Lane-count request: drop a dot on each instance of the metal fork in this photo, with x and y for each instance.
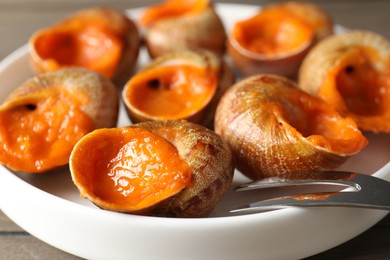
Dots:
(338, 189)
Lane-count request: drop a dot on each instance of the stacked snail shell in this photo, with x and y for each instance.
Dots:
(277, 38)
(176, 25)
(41, 120)
(351, 71)
(101, 39)
(178, 85)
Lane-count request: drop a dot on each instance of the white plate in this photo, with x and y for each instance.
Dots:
(49, 207)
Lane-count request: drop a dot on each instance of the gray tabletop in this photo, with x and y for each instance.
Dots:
(20, 18)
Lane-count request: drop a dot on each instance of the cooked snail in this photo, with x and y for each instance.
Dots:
(277, 38)
(41, 120)
(162, 168)
(101, 39)
(178, 85)
(351, 71)
(176, 25)
(272, 128)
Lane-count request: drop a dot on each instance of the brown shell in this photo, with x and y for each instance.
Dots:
(286, 64)
(198, 31)
(200, 58)
(253, 117)
(112, 21)
(209, 159)
(329, 54)
(103, 100)
(249, 63)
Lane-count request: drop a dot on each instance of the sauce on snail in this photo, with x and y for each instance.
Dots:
(171, 92)
(129, 168)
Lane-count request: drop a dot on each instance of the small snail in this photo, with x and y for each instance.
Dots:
(175, 25)
(277, 38)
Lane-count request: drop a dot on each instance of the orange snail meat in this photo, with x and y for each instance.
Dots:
(351, 71)
(178, 85)
(277, 38)
(41, 120)
(101, 39)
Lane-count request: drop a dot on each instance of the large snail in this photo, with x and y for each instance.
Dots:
(165, 168)
(272, 128)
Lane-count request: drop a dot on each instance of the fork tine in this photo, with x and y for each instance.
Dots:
(338, 200)
(257, 185)
(371, 192)
(336, 178)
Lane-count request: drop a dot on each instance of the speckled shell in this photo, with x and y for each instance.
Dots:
(199, 31)
(261, 141)
(209, 159)
(286, 64)
(327, 54)
(103, 100)
(200, 58)
(113, 21)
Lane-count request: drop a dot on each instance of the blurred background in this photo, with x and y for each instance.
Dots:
(20, 18)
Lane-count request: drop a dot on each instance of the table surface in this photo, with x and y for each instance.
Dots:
(20, 18)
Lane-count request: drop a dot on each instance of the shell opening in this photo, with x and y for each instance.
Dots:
(79, 45)
(359, 89)
(128, 169)
(171, 92)
(273, 32)
(38, 133)
(362, 87)
(322, 125)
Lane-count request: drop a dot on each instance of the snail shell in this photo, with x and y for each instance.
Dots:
(43, 118)
(192, 92)
(263, 44)
(196, 26)
(351, 71)
(207, 156)
(272, 128)
(101, 39)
